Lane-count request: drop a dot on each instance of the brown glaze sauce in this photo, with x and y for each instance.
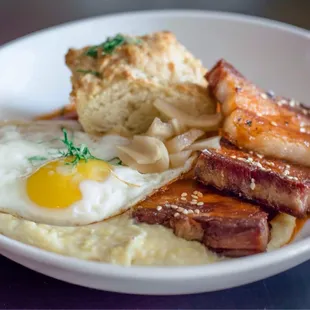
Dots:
(299, 225)
(172, 194)
(187, 186)
(66, 113)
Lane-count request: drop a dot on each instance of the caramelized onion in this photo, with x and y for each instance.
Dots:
(144, 149)
(179, 159)
(178, 126)
(213, 143)
(180, 142)
(160, 130)
(207, 122)
(145, 154)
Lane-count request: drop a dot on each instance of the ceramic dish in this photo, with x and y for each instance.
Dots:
(35, 80)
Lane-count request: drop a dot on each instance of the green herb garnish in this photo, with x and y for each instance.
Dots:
(95, 73)
(36, 158)
(110, 45)
(79, 153)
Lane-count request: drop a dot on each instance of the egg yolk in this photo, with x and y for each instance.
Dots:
(56, 184)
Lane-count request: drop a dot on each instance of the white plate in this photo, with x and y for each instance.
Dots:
(34, 79)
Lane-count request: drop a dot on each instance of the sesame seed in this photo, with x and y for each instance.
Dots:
(197, 211)
(200, 203)
(305, 111)
(259, 165)
(233, 156)
(183, 198)
(274, 123)
(302, 124)
(292, 178)
(263, 95)
(239, 194)
(199, 194)
(252, 185)
(194, 196)
(159, 208)
(190, 211)
(259, 155)
(281, 102)
(180, 209)
(286, 172)
(176, 214)
(302, 129)
(287, 166)
(174, 207)
(193, 202)
(185, 212)
(195, 192)
(251, 152)
(270, 163)
(184, 194)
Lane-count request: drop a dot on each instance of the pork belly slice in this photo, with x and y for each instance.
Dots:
(222, 223)
(282, 127)
(270, 182)
(246, 129)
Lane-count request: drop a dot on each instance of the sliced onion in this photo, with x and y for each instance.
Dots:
(180, 142)
(178, 126)
(207, 122)
(213, 143)
(125, 158)
(160, 130)
(136, 158)
(159, 166)
(179, 159)
(144, 149)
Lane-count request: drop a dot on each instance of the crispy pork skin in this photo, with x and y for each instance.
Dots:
(223, 224)
(271, 182)
(259, 121)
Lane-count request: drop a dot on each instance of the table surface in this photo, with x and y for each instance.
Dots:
(23, 288)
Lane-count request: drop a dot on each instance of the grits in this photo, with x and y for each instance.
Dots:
(120, 241)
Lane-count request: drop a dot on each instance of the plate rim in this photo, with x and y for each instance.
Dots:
(169, 12)
(219, 269)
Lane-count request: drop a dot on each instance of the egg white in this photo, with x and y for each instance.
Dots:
(100, 200)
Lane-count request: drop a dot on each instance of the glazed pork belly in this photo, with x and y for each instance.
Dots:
(222, 223)
(259, 121)
(277, 184)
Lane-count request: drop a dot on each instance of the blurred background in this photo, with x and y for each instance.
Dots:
(20, 17)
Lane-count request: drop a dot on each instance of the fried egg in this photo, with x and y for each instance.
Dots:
(39, 183)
